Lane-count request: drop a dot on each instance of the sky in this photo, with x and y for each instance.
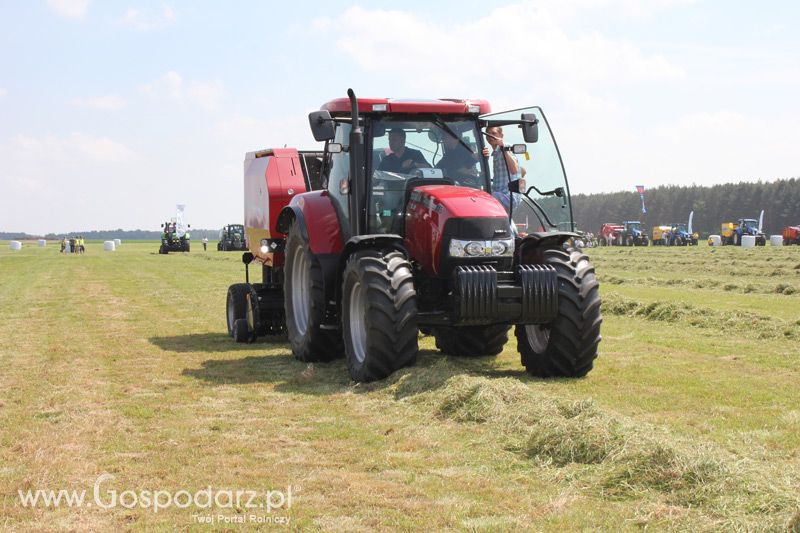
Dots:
(112, 112)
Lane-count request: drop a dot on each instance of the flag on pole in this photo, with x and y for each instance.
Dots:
(640, 190)
(180, 225)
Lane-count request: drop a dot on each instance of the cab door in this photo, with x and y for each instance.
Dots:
(540, 166)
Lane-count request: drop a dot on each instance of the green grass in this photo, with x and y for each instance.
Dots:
(119, 363)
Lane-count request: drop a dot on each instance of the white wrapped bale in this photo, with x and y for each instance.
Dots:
(117, 242)
(776, 240)
(716, 240)
(15, 245)
(748, 241)
(109, 246)
(42, 243)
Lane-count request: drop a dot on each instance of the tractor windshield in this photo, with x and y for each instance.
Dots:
(433, 146)
(750, 223)
(633, 226)
(681, 227)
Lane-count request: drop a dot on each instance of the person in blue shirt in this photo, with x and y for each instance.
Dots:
(505, 167)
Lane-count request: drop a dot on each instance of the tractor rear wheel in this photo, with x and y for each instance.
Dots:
(567, 347)
(473, 341)
(236, 304)
(379, 314)
(304, 302)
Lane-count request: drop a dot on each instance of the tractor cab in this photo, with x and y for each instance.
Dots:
(410, 146)
(749, 226)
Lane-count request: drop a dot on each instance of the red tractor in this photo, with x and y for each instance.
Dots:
(791, 235)
(408, 233)
(611, 234)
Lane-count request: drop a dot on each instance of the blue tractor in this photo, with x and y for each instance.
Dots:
(633, 235)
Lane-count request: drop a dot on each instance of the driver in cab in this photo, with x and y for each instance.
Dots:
(401, 159)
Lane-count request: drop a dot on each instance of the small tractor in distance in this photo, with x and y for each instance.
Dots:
(231, 237)
(675, 234)
(629, 233)
(732, 232)
(406, 236)
(791, 235)
(174, 240)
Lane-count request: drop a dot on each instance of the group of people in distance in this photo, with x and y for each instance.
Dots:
(460, 163)
(73, 245)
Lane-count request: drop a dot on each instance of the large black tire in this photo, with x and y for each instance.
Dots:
(379, 314)
(472, 341)
(236, 304)
(187, 247)
(304, 302)
(567, 347)
(736, 239)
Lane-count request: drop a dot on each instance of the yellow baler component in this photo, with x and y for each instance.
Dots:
(727, 229)
(658, 232)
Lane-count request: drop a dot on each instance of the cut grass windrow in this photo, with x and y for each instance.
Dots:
(744, 323)
(608, 454)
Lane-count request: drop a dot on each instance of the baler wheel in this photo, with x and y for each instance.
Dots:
(379, 314)
(236, 304)
(567, 347)
(472, 341)
(304, 302)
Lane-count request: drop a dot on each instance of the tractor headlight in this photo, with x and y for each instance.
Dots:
(494, 248)
(474, 248)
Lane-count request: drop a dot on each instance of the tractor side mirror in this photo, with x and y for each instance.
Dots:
(530, 127)
(335, 148)
(322, 125)
(519, 149)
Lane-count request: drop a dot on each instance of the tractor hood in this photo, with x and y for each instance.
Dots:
(438, 214)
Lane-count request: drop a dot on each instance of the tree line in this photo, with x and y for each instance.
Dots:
(712, 206)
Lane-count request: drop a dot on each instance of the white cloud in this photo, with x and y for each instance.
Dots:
(107, 102)
(536, 46)
(72, 9)
(76, 148)
(3, 92)
(142, 21)
(171, 86)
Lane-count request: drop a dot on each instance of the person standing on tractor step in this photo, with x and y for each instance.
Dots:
(505, 167)
(402, 159)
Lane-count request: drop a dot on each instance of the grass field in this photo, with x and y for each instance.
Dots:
(119, 363)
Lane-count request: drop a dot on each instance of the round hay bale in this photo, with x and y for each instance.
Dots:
(15, 245)
(748, 241)
(776, 240)
(109, 246)
(117, 242)
(716, 240)
(42, 243)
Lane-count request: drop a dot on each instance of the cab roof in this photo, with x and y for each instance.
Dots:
(443, 106)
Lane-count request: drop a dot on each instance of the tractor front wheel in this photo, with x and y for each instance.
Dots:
(379, 314)
(473, 341)
(567, 347)
(304, 303)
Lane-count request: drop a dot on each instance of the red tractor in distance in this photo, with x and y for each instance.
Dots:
(404, 234)
(791, 235)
